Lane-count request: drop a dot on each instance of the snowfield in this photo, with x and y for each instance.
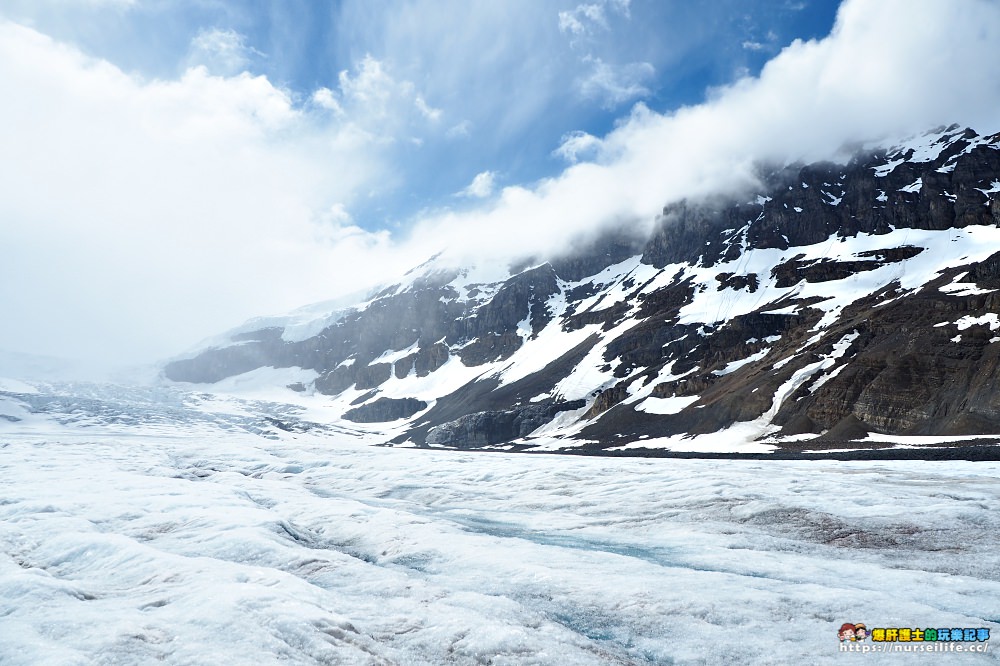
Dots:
(195, 541)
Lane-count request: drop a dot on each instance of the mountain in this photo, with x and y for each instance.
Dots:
(842, 305)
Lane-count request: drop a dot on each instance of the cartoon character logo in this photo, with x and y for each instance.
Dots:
(846, 632)
(860, 631)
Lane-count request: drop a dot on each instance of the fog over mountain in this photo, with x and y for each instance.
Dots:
(142, 214)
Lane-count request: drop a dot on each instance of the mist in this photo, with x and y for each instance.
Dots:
(142, 216)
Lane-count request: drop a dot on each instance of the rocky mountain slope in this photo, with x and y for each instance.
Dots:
(844, 302)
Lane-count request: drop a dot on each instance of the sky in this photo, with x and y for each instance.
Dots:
(172, 168)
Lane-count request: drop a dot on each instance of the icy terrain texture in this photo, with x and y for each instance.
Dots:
(181, 536)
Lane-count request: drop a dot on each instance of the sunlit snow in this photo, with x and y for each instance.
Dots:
(187, 543)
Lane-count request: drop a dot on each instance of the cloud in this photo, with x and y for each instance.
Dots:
(222, 51)
(459, 130)
(426, 110)
(384, 105)
(884, 71)
(587, 18)
(481, 186)
(613, 85)
(577, 145)
(144, 214)
(770, 43)
(327, 99)
(140, 215)
(610, 84)
(496, 65)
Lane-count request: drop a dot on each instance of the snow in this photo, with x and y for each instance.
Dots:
(15, 386)
(834, 199)
(839, 349)
(974, 243)
(957, 288)
(265, 383)
(220, 547)
(926, 147)
(625, 283)
(736, 365)
(550, 343)
(666, 405)
(886, 169)
(994, 187)
(989, 319)
(738, 438)
(914, 186)
(588, 376)
(448, 378)
(391, 356)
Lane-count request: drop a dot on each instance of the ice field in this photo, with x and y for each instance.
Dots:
(181, 540)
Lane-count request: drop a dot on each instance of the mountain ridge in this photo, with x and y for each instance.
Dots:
(844, 302)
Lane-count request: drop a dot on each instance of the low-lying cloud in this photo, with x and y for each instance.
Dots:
(886, 70)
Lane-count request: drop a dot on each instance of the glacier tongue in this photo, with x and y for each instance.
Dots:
(200, 544)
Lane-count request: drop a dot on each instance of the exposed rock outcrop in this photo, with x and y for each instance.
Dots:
(495, 427)
(385, 409)
(840, 300)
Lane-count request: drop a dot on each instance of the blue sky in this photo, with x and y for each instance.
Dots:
(172, 168)
(503, 82)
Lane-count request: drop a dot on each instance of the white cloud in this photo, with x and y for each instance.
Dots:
(770, 43)
(587, 18)
(428, 112)
(885, 70)
(614, 85)
(498, 65)
(481, 186)
(338, 216)
(383, 105)
(610, 84)
(223, 52)
(579, 21)
(326, 98)
(459, 130)
(577, 145)
(140, 215)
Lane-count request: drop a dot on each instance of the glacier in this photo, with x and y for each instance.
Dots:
(150, 525)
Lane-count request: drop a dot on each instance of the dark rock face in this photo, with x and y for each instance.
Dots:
(385, 409)
(732, 281)
(691, 312)
(908, 375)
(685, 226)
(495, 427)
(427, 314)
(986, 273)
(423, 362)
(794, 270)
